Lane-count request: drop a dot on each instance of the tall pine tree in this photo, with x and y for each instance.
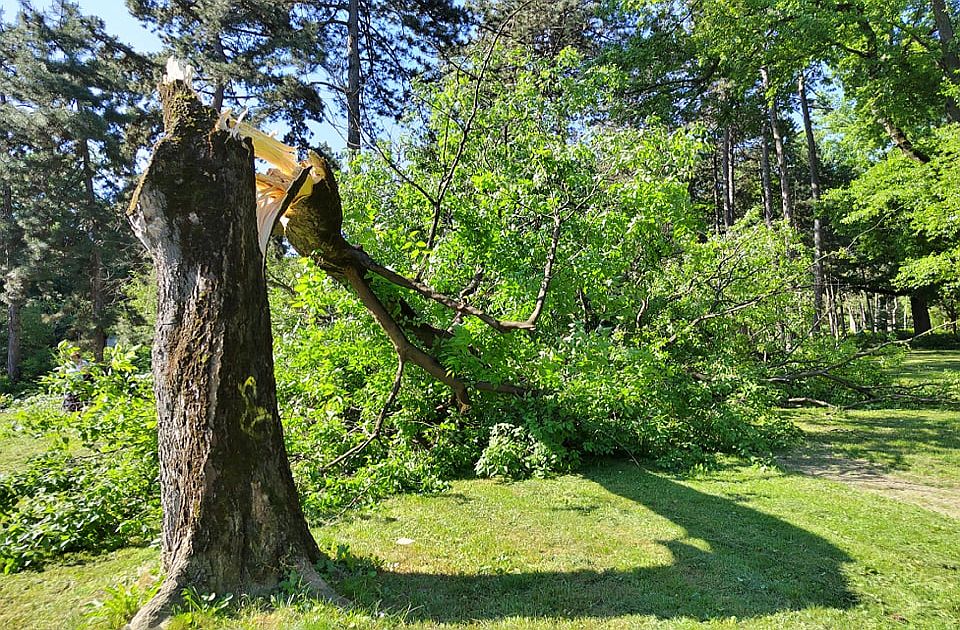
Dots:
(70, 103)
(280, 58)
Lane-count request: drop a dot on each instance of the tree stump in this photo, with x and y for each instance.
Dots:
(232, 521)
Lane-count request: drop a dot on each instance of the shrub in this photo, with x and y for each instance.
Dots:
(96, 489)
(514, 453)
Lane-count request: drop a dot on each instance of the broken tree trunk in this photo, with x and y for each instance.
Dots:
(232, 521)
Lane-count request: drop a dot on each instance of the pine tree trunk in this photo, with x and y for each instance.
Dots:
(786, 197)
(219, 86)
(99, 335)
(353, 75)
(921, 314)
(11, 293)
(765, 180)
(232, 521)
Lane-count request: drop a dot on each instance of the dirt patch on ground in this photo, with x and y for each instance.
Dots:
(866, 475)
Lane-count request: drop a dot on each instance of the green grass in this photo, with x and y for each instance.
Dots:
(922, 444)
(16, 446)
(56, 597)
(621, 547)
(930, 365)
(617, 547)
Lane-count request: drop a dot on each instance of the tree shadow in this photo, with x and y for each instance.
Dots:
(886, 438)
(734, 561)
(927, 365)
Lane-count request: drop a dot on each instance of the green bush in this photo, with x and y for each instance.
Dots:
(96, 489)
(513, 453)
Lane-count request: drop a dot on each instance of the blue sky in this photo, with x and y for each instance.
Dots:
(113, 13)
(121, 24)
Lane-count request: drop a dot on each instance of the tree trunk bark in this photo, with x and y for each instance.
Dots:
(786, 197)
(232, 521)
(921, 314)
(950, 60)
(219, 86)
(717, 194)
(353, 76)
(728, 178)
(765, 180)
(814, 166)
(14, 329)
(813, 160)
(12, 290)
(902, 142)
(99, 337)
(865, 312)
(879, 314)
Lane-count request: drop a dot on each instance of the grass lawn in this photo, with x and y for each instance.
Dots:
(923, 445)
(617, 546)
(16, 447)
(930, 365)
(918, 444)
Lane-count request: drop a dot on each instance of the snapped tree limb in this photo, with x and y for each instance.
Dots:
(301, 201)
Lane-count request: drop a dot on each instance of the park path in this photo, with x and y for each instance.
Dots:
(860, 473)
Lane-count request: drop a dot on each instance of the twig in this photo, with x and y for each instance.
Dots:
(398, 379)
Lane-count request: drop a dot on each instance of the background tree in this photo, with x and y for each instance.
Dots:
(70, 108)
(280, 59)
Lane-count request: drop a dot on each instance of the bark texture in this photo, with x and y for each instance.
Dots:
(728, 178)
(11, 293)
(232, 521)
(14, 330)
(950, 59)
(765, 180)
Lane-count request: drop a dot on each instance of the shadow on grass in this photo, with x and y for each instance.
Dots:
(887, 438)
(756, 565)
(930, 365)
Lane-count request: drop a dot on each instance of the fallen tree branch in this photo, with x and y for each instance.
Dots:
(811, 401)
(406, 350)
